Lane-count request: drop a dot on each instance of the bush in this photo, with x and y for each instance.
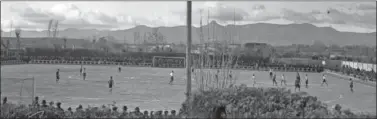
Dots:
(250, 102)
(236, 102)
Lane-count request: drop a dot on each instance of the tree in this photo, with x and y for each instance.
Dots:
(136, 37)
(57, 47)
(65, 42)
(5, 46)
(49, 28)
(18, 35)
(2, 43)
(94, 40)
(8, 43)
(103, 43)
(156, 37)
(56, 25)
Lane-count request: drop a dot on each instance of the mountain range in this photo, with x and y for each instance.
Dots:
(261, 32)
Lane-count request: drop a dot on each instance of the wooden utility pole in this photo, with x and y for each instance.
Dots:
(188, 56)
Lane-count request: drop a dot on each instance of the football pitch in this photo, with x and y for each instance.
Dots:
(148, 88)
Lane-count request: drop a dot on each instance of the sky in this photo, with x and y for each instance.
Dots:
(114, 15)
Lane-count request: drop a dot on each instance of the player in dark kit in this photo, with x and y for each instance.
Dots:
(297, 82)
(351, 85)
(306, 80)
(84, 74)
(80, 70)
(274, 80)
(57, 76)
(271, 74)
(230, 74)
(119, 69)
(111, 83)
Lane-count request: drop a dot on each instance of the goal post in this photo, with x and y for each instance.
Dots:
(19, 90)
(33, 86)
(161, 61)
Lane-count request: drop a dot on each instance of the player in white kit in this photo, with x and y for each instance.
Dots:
(81, 70)
(324, 80)
(306, 80)
(283, 80)
(171, 77)
(253, 78)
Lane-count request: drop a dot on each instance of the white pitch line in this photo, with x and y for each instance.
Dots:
(329, 101)
(343, 77)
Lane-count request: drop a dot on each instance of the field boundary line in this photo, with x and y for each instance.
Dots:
(357, 80)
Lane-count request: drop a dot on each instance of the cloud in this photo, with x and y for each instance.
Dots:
(299, 17)
(226, 13)
(366, 7)
(363, 19)
(35, 15)
(366, 19)
(216, 11)
(17, 24)
(259, 13)
(71, 16)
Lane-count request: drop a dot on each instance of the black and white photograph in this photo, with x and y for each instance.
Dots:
(188, 59)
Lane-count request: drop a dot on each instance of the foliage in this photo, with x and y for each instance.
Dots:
(239, 101)
(251, 102)
(50, 111)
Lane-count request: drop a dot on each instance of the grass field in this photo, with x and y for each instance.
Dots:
(148, 88)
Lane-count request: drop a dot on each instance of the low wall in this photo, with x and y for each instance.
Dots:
(333, 64)
(87, 63)
(299, 61)
(329, 64)
(345, 77)
(362, 66)
(282, 69)
(12, 62)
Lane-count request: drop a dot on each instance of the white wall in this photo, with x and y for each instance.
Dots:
(355, 65)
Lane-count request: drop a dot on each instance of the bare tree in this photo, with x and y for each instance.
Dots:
(94, 40)
(55, 28)
(3, 44)
(136, 37)
(157, 37)
(18, 35)
(65, 42)
(103, 42)
(223, 58)
(8, 44)
(49, 27)
(1, 30)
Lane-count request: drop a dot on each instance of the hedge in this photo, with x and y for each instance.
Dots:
(235, 102)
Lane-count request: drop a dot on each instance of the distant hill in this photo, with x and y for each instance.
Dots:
(264, 33)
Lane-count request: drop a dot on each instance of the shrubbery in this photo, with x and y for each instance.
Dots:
(235, 102)
(250, 102)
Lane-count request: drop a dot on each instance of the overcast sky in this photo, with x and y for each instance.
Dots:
(343, 16)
